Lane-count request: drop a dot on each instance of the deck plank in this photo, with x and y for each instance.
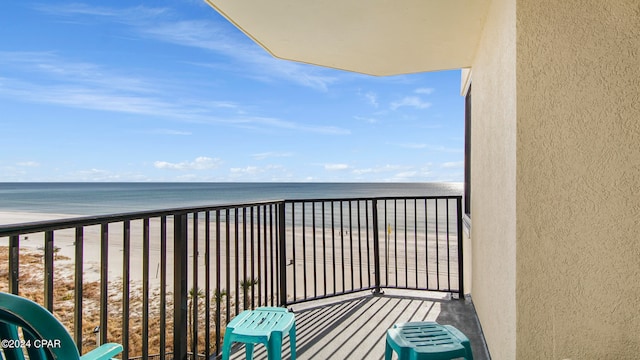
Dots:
(354, 327)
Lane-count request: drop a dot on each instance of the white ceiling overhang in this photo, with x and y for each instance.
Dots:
(377, 37)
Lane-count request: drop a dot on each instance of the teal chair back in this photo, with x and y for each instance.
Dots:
(43, 336)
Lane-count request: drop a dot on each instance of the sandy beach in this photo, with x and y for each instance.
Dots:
(335, 258)
(32, 280)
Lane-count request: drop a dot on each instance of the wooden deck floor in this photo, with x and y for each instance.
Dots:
(355, 327)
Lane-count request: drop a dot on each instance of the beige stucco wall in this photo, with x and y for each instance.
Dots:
(493, 171)
(578, 179)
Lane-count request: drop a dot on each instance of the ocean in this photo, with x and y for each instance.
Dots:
(109, 198)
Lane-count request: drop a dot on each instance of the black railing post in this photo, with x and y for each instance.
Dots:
(283, 253)
(104, 281)
(126, 286)
(48, 270)
(14, 263)
(77, 313)
(180, 286)
(376, 246)
(145, 286)
(163, 286)
(460, 249)
(194, 287)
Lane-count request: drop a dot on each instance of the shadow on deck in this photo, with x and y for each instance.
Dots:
(355, 327)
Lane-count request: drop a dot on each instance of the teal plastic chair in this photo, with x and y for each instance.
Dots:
(43, 336)
(264, 325)
(427, 340)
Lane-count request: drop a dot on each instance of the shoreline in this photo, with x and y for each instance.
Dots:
(14, 217)
(350, 259)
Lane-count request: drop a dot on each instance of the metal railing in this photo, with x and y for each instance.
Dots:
(168, 281)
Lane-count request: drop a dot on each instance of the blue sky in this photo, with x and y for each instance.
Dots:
(170, 91)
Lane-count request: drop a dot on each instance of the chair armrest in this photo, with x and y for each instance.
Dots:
(103, 352)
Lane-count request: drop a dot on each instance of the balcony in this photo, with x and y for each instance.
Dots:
(350, 268)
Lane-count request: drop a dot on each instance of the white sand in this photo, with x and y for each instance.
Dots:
(65, 240)
(15, 217)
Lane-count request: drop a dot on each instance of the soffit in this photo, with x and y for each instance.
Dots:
(377, 37)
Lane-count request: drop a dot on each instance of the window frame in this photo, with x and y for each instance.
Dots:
(467, 158)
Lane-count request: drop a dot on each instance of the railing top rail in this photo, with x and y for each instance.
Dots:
(72, 222)
(419, 197)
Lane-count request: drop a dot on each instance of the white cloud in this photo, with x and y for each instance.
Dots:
(88, 86)
(413, 145)
(336, 167)
(372, 98)
(225, 104)
(414, 101)
(425, 91)
(97, 175)
(366, 119)
(453, 164)
(54, 69)
(251, 170)
(284, 124)
(417, 173)
(171, 132)
(265, 67)
(216, 36)
(200, 163)
(270, 154)
(395, 173)
(378, 169)
(405, 175)
(76, 9)
(445, 149)
(410, 101)
(266, 173)
(28, 164)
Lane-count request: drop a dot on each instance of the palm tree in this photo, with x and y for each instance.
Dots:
(56, 250)
(246, 285)
(218, 295)
(194, 294)
(217, 299)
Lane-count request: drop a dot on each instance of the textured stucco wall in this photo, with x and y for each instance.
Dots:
(493, 162)
(578, 179)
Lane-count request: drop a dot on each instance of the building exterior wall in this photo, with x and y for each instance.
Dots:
(493, 175)
(578, 179)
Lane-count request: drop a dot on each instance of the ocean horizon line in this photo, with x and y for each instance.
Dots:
(100, 198)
